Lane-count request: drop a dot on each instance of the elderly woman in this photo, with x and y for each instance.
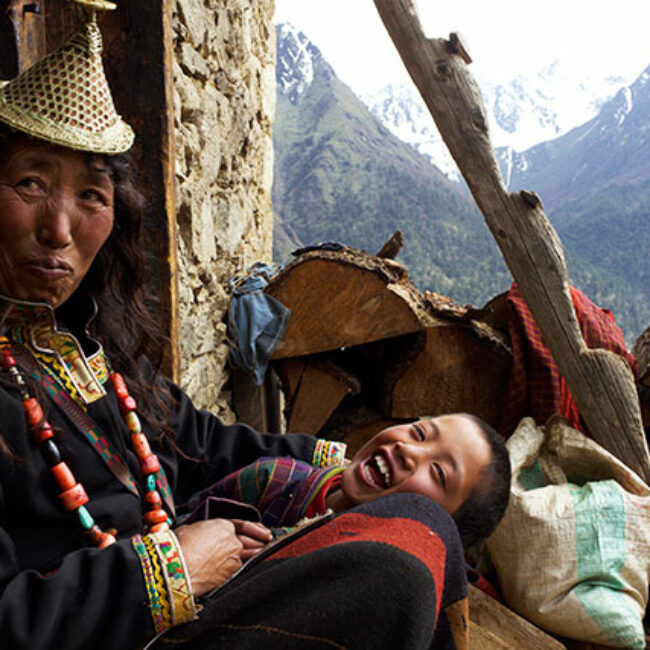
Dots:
(97, 449)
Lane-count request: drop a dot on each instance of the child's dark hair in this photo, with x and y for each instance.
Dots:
(480, 513)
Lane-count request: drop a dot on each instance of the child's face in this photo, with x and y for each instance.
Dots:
(440, 458)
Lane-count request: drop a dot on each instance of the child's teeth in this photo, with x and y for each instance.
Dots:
(383, 468)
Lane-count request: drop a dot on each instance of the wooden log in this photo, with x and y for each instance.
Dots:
(356, 436)
(490, 620)
(344, 298)
(601, 382)
(319, 390)
(462, 367)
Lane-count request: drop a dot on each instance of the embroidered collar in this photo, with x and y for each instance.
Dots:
(34, 325)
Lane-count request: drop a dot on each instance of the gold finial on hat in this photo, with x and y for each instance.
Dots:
(99, 5)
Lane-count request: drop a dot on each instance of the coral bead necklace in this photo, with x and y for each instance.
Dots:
(72, 494)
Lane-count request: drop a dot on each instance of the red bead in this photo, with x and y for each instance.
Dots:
(140, 445)
(153, 499)
(74, 497)
(157, 516)
(157, 528)
(64, 477)
(127, 404)
(8, 360)
(107, 540)
(149, 465)
(95, 534)
(119, 386)
(33, 411)
(41, 434)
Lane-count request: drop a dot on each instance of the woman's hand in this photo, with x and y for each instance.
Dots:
(254, 537)
(212, 551)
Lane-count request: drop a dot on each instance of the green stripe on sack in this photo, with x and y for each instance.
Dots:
(600, 522)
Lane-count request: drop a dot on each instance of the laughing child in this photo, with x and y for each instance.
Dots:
(457, 460)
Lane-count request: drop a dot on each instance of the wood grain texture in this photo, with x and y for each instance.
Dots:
(601, 382)
(342, 300)
(510, 629)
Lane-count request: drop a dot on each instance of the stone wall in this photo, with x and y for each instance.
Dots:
(224, 100)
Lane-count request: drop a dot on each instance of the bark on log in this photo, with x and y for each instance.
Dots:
(601, 382)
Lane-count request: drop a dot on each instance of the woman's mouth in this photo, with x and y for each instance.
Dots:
(48, 268)
(376, 472)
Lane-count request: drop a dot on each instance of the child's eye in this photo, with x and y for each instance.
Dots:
(441, 474)
(419, 431)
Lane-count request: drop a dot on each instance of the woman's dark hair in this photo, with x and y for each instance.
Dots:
(124, 323)
(480, 513)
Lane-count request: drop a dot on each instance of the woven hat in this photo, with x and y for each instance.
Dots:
(64, 98)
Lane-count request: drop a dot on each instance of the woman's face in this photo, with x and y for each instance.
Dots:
(56, 212)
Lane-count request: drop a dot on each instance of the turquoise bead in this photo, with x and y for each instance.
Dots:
(85, 518)
(151, 482)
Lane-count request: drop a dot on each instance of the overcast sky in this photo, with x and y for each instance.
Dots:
(595, 36)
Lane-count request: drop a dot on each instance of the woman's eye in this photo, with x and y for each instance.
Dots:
(93, 195)
(441, 474)
(419, 431)
(30, 184)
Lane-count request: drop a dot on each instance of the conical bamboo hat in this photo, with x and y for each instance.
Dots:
(64, 98)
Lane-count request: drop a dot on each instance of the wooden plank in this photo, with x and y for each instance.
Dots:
(600, 381)
(138, 62)
(22, 35)
(509, 628)
(321, 390)
(344, 299)
(457, 370)
(482, 639)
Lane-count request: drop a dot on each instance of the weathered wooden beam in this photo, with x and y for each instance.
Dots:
(601, 382)
(489, 617)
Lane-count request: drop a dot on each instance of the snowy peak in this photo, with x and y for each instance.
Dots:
(296, 57)
(404, 114)
(521, 113)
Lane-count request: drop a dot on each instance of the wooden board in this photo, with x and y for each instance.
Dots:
(320, 390)
(456, 370)
(490, 620)
(343, 299)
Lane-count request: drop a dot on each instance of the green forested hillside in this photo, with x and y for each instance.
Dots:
(341, 176)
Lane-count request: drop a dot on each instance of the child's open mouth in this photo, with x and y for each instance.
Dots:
(376, 472)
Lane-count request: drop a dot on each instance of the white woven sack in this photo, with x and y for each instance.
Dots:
(574, 556)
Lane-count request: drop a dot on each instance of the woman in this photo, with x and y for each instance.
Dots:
(98, 449)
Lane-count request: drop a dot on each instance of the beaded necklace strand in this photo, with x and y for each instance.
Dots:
(72, 495)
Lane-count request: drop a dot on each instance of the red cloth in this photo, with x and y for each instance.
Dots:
(535, 387)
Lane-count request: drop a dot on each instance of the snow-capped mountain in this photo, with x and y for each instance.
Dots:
(296, 55)
(522, 112)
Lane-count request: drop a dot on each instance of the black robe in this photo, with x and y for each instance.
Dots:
(57, 591)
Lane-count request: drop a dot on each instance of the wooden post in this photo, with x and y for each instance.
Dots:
(600, 381)
(22, 35)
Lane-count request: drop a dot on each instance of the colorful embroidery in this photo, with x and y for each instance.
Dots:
(79, 418)
(328, 452)
(160, 624)
(160, 581)
(176, 577)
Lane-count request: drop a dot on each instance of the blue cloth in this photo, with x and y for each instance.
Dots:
(256, 321)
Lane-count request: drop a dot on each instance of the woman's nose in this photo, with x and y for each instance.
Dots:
(55, 225)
